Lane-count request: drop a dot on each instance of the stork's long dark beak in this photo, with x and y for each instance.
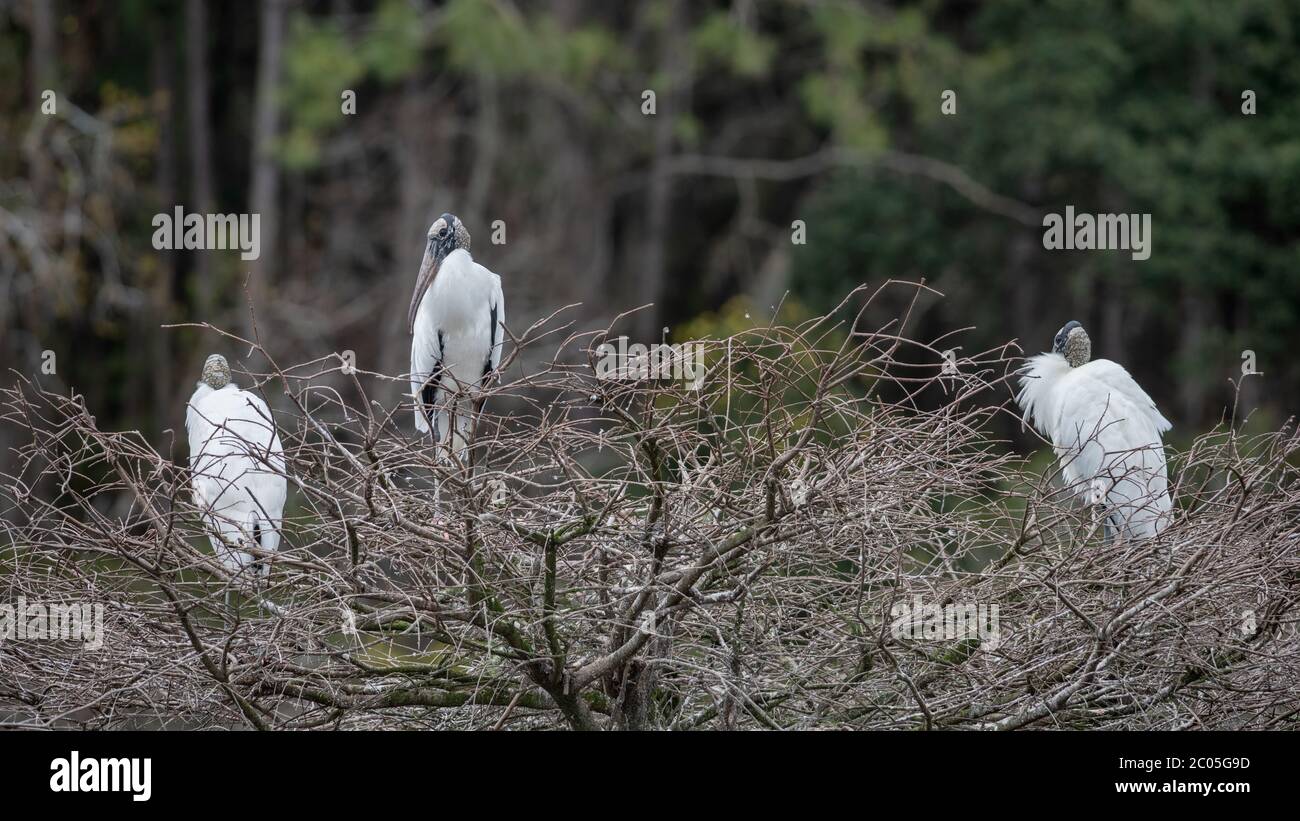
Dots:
(428, 270)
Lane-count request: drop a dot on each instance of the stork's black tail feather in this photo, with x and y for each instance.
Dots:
(259, 565)
(427, 398)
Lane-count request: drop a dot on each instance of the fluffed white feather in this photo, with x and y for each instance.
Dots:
(1106, 432)
(459, 303)
(238, 471)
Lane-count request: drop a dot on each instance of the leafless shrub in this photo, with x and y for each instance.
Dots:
(639, 554)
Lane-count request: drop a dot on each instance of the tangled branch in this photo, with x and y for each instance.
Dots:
(767, 546)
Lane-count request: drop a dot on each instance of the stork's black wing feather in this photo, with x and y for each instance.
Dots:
(429, 393)
(492, 340)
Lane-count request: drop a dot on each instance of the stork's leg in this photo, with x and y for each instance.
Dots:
(258, 565)
(429, 400)
(479, 402)
(464, 435)
(430, 393)
(1111, 528)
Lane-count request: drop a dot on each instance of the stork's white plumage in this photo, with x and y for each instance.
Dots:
(457, 322)
(1105, 430)
(237, 464)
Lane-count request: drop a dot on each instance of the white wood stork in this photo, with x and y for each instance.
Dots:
(1105, 430)
(457, 321)
(237, 464)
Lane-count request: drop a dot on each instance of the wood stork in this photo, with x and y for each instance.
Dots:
(237, 464)
(457, 321)
(1105, 430)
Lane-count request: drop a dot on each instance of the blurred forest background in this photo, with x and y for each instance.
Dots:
(766, 113)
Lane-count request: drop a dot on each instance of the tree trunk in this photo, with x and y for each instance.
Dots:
(1248, 397)
(421, 141)
(669, 103)
(202, 198)
(266, 174)
(42, 76)
(1195, 313)
(158, 378)
(42, 14)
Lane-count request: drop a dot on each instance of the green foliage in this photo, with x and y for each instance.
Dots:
(719, 40)
(872, 54)
(490, 38)
(855, 238)
(1108, 108)
(396, 38)
(756, 335)
(322, 61)
(319, 64)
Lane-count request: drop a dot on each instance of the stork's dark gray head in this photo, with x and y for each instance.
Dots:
(1072, 341)
(216, 372)
(447, 234)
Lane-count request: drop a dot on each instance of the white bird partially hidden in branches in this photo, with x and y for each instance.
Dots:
(237, 464)
(457, 321)
(1105, 430)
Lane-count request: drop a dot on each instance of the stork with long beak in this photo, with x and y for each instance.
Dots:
(457, 322)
